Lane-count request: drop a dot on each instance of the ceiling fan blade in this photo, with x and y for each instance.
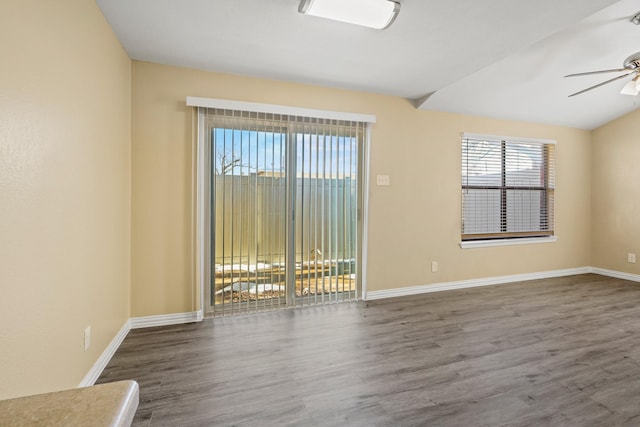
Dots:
(602, 84)
(588, 73)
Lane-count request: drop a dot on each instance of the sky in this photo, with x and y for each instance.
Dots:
(243, 152)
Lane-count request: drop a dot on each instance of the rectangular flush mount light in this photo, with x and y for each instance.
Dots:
(378, 14)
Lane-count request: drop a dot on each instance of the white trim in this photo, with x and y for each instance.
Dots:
(102, 362)
(365, 213)
(197, 316)
(508, 138)
(166, 319)
(194, 101)
(134, 323)
(201, 213)
(507, 242)
(616, 274)
(472, 283)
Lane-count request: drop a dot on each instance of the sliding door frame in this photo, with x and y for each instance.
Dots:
(203, 196)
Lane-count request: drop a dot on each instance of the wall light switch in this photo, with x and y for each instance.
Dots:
(383, 180)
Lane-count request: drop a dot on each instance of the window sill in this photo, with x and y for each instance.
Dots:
(507, 242)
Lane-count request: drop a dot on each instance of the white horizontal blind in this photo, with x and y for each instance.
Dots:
(507, 187)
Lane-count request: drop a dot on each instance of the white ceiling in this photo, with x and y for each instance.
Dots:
(497, 58)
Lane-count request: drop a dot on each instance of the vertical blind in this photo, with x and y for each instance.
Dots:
(248, 215)
(285, 197)
(507, 187)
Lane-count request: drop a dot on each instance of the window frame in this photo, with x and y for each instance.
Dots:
(504, 237)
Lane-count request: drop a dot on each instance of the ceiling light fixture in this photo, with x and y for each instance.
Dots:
(378, 14)
(636, 18)
(633, 87)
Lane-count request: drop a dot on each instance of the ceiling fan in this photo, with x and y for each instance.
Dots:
(630, 66)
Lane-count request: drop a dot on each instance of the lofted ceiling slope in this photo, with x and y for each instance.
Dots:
(498, 58)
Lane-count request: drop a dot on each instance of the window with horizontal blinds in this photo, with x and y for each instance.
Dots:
(507, 187)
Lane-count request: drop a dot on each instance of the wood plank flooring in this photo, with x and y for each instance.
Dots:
(555, 352)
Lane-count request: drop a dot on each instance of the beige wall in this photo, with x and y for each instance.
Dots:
(414, 221)
(616, 194)
(96, 195)
(65, 91)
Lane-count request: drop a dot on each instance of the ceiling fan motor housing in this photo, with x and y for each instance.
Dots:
(632, 62)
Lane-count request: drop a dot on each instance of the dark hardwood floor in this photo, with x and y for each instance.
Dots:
(556, 352)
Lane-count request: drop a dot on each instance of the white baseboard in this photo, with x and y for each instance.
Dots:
(135, 323)
(97, 368)
(197, 316)
(472, 283)
(616, 274)
(166, 319)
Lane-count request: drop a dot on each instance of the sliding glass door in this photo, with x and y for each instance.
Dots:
(248, 196)
(326, 215)
(285, 193)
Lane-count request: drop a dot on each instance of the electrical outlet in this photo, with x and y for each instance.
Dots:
(87, 338)
(434, 266)
(631, 258)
